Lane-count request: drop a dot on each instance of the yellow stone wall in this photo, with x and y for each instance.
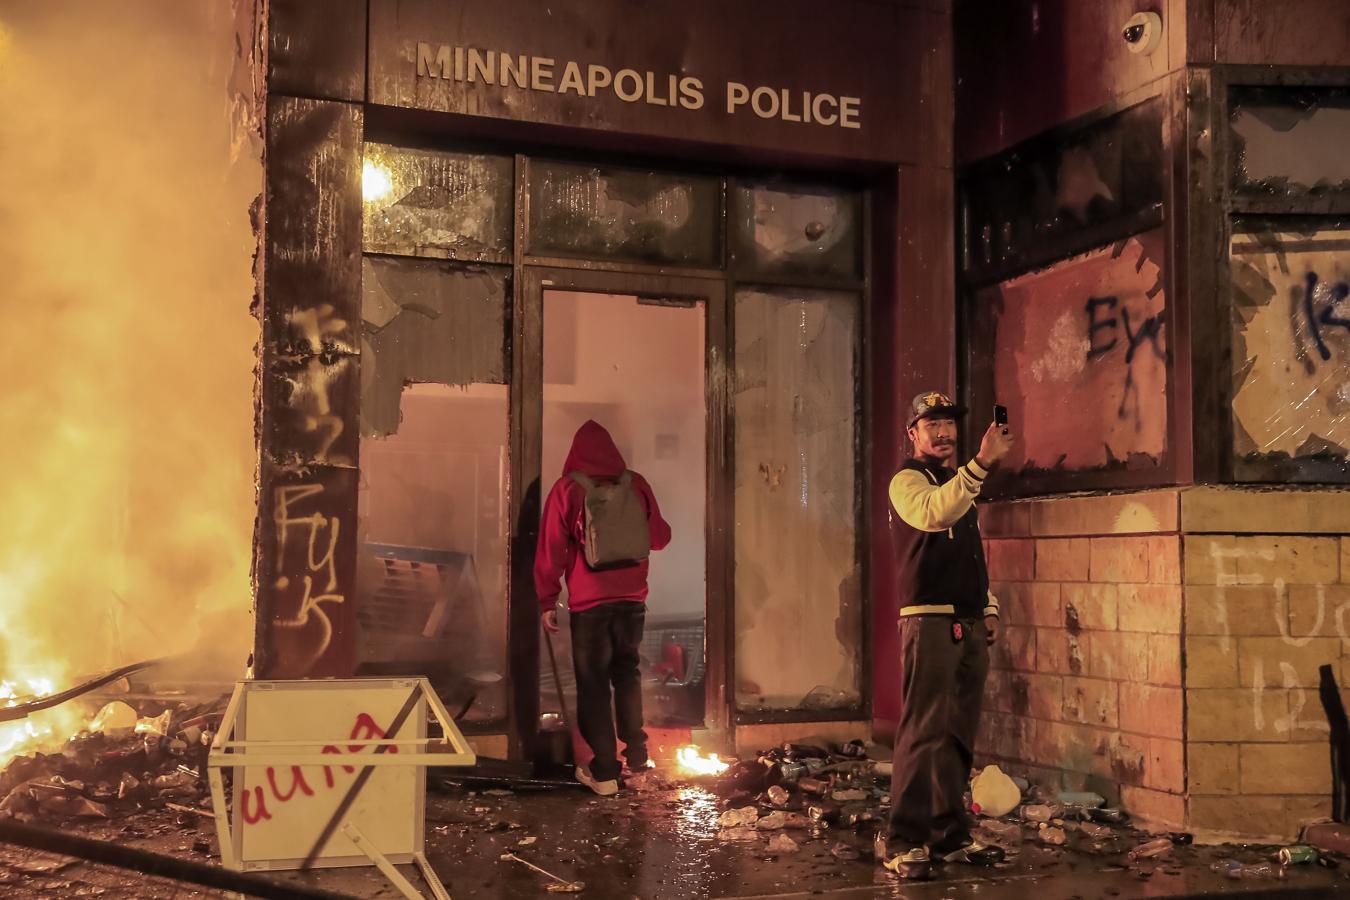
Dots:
(1163, 648)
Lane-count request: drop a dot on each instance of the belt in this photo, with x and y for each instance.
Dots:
(931, 609)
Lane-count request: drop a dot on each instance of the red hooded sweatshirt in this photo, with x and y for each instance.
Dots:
(560, 535)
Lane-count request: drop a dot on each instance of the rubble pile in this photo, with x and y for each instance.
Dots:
(811, 789)
(125, 762)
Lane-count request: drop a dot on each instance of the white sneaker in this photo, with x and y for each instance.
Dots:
(603, 788)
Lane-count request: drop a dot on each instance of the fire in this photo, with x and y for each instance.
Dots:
(127, 465)
(694, 763)
(44, 731)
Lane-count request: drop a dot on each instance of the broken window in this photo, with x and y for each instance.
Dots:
(431, 203)
(433, 518)
(636, 367)
(797, 231)
(1078, 354)
(798, 586)
(1290, 141)
(1021, 208)
(1291, 350)
(624, 214)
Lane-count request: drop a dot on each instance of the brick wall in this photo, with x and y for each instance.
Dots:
(1162, 648)
(1085, 687)
(1263, 612)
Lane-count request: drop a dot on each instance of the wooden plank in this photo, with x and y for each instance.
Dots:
(317, 49)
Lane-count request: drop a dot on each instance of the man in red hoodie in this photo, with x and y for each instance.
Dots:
(607, 608)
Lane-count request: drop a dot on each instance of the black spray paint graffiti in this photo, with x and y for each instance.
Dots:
(1327, 316)
(1100, 327)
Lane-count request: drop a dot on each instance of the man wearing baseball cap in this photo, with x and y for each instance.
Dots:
(948, 619)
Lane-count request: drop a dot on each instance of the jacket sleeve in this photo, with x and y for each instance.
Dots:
(929, 507)
(991, 605)
(556, 548)
(659, 527)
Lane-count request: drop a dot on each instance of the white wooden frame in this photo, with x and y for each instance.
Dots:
(227, 753)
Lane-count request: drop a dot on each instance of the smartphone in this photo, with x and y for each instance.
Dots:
(1000, 414)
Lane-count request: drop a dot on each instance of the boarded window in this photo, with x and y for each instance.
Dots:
(1291, 141)
(427, 322)
(1291, 351)
(624, 214)
(1079, 356)
(429, 203)
(798, 599)
(797, 231)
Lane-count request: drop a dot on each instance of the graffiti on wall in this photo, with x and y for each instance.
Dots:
(1291, 343)
(1080, 358)
(1280, 671)
(306, 547)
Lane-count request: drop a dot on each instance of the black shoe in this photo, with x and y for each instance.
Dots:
(974, 853)
(913, 864)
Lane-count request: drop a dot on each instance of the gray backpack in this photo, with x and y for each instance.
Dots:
(614, 522)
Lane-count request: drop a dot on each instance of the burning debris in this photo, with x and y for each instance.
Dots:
(122, 762)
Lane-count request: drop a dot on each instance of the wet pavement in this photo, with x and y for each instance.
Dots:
(668, 844)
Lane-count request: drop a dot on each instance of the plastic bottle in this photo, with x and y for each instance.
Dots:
(1151, 849)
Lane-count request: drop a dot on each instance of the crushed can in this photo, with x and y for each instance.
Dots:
(824, 813)
(1297, 855)
(792, 771)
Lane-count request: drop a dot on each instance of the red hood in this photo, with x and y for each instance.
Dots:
(593, 453)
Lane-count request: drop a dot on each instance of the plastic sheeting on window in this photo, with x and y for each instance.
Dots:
(798, 231)
(1291, 141)
(430, 203)
(1291, 351)
(624, 214)
(426, 321)
(798, 597)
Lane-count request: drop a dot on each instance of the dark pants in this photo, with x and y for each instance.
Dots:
(605, 641)
(941, 686)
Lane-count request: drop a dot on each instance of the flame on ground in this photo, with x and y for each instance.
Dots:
(692, 762)
(44, 731)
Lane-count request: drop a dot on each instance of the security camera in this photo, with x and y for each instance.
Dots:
(1143, 32)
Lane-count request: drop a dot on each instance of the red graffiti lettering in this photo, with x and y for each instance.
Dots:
(254, 803)
(298, 783)
(253, 816)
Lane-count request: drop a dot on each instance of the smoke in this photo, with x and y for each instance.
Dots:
(127, 168)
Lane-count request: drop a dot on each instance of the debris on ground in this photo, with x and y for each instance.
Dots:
(127, 761)
(994, 793)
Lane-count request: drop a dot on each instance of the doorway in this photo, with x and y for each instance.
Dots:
(636, 366)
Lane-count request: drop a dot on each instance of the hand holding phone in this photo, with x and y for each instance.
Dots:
(1001, 417)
